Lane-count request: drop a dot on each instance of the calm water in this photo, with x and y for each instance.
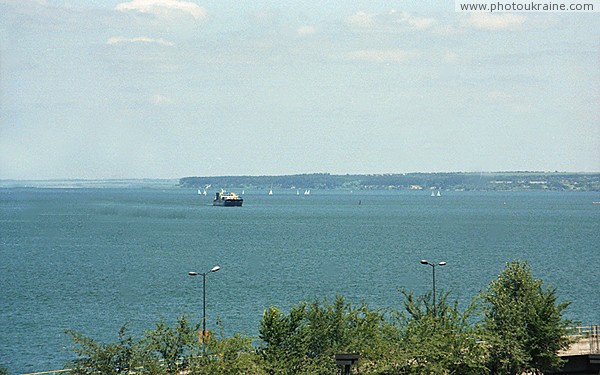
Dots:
(92, 259)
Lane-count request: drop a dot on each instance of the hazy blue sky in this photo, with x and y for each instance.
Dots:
(172, 88)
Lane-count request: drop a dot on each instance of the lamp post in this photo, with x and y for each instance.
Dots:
(214, 269)
(433, 272)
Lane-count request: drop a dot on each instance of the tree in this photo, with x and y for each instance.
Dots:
(176, 346)
(165, 350)
(110, 359)
(285, 340)
(523, 322)
(305, 340)
(447, 343)
(227, 356)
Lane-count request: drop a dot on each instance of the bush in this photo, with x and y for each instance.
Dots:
(513, 327)
(523, 323)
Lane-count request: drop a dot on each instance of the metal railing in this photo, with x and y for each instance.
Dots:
(585, 331)
(586, 340)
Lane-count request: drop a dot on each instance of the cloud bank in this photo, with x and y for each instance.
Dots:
(504, 21)
(123, 40)
(389, 21)
(164, 8)
(384, 56)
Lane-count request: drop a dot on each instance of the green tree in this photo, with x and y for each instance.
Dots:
(523, 322)
(112, 358)
(166, 350)
(447, 343)
(175, 346)
(227, 356)
(306, 340)
(284, 340)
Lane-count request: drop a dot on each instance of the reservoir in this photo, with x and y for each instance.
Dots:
(94, 259)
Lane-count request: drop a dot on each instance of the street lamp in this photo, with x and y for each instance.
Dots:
(214, 269)
(433, 269)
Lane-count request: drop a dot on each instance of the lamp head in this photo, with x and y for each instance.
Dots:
(441, 263)
(215, 269)
(193, 273)
(424, 262)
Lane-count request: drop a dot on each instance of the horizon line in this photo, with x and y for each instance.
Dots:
(291, 174)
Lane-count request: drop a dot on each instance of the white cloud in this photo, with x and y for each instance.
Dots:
(164, 8)
(161, 100)
(361, 19)
(390, 21)
(122, 40)
(444, 30)
(486, 21)
(413, 21)
(384, 56)
(306, 30)
(450, 57)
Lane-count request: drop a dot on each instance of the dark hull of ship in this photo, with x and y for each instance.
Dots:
(229, 203)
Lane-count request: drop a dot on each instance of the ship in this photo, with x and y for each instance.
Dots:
(227, 199)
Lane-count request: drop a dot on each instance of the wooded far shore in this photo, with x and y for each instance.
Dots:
(459, 181)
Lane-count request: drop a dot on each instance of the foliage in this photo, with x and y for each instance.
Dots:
(166, 350)
(306, 340)
(443, 344)
(174, 346)
(108, 359)
(446, 181)
(3, 371)
(523, 322)
(513, 327)
(227, 356)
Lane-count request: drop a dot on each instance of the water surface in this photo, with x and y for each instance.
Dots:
(93, 259)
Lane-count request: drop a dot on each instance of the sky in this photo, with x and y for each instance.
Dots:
(105, 89)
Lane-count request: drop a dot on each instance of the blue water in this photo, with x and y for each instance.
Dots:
(93, 259)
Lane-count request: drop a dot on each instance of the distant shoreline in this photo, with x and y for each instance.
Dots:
(92, 183)
(457, 181)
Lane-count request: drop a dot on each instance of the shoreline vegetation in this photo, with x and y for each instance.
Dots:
(515, 326)
(456, 181)
(447, 181)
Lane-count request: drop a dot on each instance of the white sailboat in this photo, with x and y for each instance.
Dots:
(199, 192)
(433, 193)
(307, 192)
(438, 194)
(204, 192)
(297, 192)
(271, 190)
